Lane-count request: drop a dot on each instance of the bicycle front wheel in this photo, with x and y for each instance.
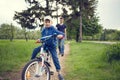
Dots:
(32, 68)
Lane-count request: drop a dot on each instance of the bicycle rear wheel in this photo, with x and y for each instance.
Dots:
(32, 67)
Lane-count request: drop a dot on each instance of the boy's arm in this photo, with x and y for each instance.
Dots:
(59, 34)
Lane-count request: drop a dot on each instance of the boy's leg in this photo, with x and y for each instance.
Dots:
(55, 58)
(56, 62)
(35, 52)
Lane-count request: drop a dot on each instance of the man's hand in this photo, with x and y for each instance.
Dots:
(59, 36)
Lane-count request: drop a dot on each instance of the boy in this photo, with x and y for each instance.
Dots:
(50, 44)
(61, 27)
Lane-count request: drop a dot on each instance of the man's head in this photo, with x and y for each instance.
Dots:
(61, 20)
(47, 21)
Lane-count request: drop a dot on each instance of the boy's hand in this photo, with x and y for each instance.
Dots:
(59, 36)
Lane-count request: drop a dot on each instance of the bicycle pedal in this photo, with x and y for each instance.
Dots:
(37, 75)
(51, 73)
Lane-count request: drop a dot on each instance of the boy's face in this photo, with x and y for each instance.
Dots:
(47, 23)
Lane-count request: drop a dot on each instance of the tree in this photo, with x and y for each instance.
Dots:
(117, 37)
(85, 10)
(110, 34)
(7, 31)
(12, 32)
(35, 13)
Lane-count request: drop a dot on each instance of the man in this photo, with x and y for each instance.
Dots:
(50, 44)
(61, 27)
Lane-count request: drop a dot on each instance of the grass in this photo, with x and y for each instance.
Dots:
(86, 62)
(15, 54)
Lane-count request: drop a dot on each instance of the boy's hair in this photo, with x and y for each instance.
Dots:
(47, 20)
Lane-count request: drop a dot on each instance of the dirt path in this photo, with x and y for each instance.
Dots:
(62, 63)
(103, 42)
(16, 75)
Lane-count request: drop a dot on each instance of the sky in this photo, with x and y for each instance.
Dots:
(107, 10)
(109, 13)
(8, 8)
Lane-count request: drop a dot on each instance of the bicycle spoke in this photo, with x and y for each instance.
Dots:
(32, 70)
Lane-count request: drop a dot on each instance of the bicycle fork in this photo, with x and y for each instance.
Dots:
(40, 65)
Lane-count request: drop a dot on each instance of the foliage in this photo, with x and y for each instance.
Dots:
(90, 27)
(113, 52)
(12, 32)
(85, 8)
(7, 31)
(72, 28)
(117, 36)
(34, 15)
(110, 34)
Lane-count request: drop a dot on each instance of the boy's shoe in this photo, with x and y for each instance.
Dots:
(60, 77)
(62, 54)
(51, 73)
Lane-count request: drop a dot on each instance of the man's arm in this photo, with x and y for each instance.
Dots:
(57, 26)
(65, 34)
(59, 33)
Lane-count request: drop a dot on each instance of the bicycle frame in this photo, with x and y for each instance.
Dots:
(39, 68)
(43, 56)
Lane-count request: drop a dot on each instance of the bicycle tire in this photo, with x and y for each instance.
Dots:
(31, 63)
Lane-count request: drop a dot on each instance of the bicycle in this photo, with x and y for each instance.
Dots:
(39, 68)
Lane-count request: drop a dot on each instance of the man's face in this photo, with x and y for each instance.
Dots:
(61, 20)
(47, 24)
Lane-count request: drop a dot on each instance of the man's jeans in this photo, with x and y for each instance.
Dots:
(61, 46)
(53, 53)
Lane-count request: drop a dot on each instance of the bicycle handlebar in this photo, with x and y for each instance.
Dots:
(43, 39)
(48, 37)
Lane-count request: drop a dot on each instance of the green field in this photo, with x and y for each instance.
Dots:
(86, 62)
(14, 54)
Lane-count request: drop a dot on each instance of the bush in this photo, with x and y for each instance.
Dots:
(113, 52)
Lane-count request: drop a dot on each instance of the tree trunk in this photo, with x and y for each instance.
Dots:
(12, 34)
(57, 11)
(77, 34)
(80, 29)
(26, 37)
(47, 7)
(25, 34)
(80, 38)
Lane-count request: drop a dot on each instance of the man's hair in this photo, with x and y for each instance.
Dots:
(47, 20)
(61, 18)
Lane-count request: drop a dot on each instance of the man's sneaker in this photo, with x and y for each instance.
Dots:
(60, 77)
